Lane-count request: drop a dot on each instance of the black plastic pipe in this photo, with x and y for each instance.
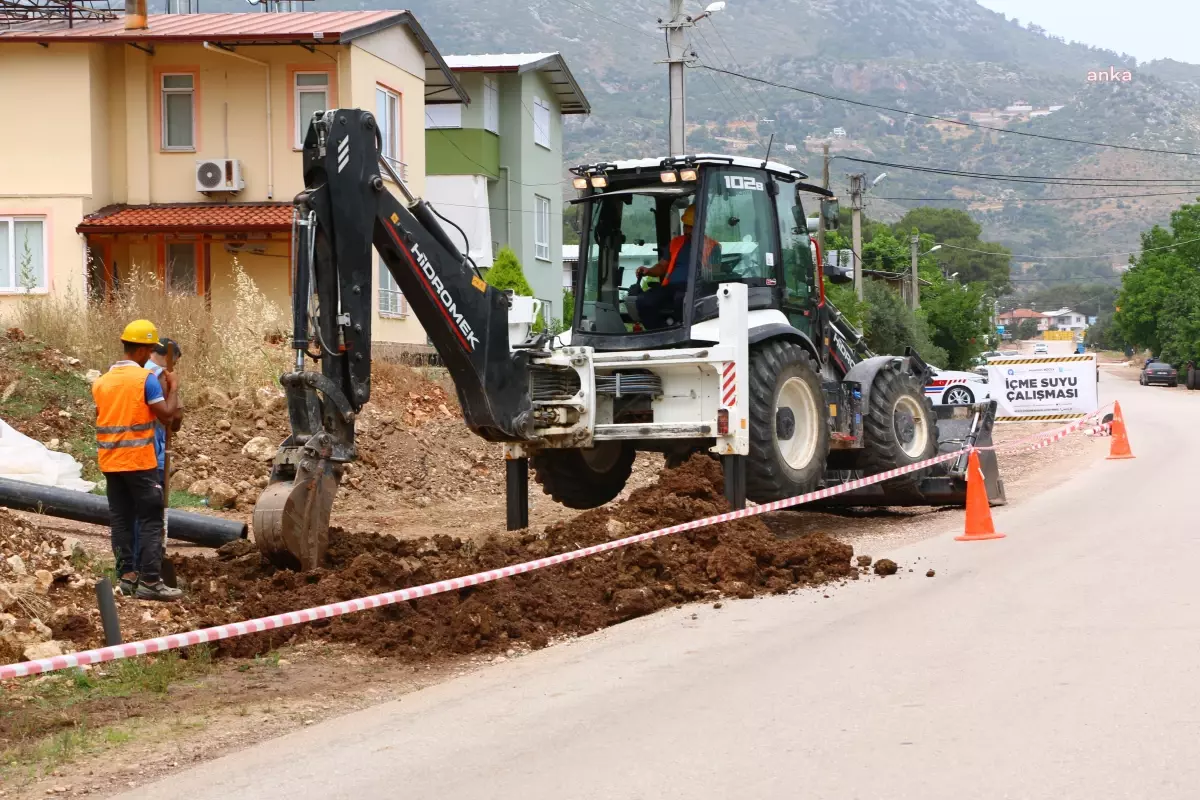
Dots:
(198, 529)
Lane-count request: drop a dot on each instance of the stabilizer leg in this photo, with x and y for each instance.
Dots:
(735, 480)
(516, 490)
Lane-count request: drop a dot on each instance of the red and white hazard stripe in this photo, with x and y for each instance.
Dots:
(729, 385)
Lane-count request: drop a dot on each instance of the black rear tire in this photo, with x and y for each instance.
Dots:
(584, 479)
(789, 433)
(900, 428)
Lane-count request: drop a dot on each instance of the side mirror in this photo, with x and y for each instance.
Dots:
(830, 212)
(839, 275)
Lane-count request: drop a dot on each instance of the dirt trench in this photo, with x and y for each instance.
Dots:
(741, 558)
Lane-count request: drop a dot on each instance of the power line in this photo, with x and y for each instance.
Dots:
(863, 104)
(618, 23)
(1053, 180)
(1062, 258)
(1036, 199)
(721, 85)
(762, 99)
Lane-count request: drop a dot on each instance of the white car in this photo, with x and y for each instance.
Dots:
(1041, 349)
(950, 387)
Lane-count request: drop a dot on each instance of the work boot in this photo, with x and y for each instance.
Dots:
(128, 584)
(157, 591)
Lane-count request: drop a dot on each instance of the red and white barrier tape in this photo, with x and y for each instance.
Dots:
(102, 654)
(177, 640)
(1043, 439)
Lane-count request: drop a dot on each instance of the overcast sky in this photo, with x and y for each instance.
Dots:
(1147, 29)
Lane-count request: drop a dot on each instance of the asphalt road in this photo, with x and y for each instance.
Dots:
(1060, 662)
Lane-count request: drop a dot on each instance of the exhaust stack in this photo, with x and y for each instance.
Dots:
(135, 15)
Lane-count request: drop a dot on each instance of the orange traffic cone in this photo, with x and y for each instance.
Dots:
(1120, 442)
(979, 512)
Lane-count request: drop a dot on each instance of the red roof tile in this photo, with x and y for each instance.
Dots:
(333, 26)
(195, 218)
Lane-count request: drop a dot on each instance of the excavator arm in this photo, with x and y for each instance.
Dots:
(346, 211)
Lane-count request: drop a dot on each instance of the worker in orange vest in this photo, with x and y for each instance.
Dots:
(665, 301)
(129, 400)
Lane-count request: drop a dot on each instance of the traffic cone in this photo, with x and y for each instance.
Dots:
(979, 512)
(1120, 442)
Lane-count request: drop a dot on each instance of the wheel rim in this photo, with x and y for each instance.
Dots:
(796, 401)
(602, 457)
(958, 396)
(911, 426)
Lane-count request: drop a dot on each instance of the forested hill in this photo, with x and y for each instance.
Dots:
(950, 58)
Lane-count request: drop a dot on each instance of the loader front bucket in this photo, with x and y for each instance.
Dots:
(958, 427)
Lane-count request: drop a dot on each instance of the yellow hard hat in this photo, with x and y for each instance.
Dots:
(689, 215)
(140, 331)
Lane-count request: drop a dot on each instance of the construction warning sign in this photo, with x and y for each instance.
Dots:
(1043, 388)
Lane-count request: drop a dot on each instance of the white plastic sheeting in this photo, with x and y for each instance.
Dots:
(25, 459)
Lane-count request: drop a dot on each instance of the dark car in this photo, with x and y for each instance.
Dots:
(1159, 372)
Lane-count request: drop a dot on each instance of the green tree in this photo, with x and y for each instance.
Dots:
(890, 326)
(963, 252)
(1104, 335)
(958, 321)
(568, 314)
(943, 224)
(572, 224)
(506, 273)
(1159, 303)
(1027, 329)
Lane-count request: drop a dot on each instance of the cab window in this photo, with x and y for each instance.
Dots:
(738, 220)
(794, 245)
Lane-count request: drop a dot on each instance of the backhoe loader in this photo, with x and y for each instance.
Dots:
(736, 352)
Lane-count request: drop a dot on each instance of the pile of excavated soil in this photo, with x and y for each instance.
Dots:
(741, 558)
(414, 449)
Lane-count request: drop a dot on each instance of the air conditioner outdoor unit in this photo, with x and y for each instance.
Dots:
(219, 175)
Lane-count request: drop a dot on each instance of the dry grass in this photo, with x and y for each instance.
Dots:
(230, 346)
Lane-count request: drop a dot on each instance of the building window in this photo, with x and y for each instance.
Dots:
(541, 123)
(448, 116)
(179, 112)
(22, 254)
(387, 113)
(312, 95)
(181, 268)
(541, 228)
(491, 105)
(391, 301)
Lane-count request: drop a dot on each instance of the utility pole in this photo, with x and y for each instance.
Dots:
(914, 297)
(677, 130)
(821, 217)
(857, 187)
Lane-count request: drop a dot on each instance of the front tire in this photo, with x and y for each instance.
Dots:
(900, 428)
(789, 435)
(958, 396)
(584, 479)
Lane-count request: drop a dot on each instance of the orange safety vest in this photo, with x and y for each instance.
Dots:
(124, 422)
(677, 245)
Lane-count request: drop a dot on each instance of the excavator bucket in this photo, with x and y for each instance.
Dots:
(291, 520)
(958, 427)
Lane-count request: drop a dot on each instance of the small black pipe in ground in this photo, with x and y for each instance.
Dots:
(108, 612)
(198, 529)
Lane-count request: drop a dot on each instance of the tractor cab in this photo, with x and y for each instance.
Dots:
(660, 235)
